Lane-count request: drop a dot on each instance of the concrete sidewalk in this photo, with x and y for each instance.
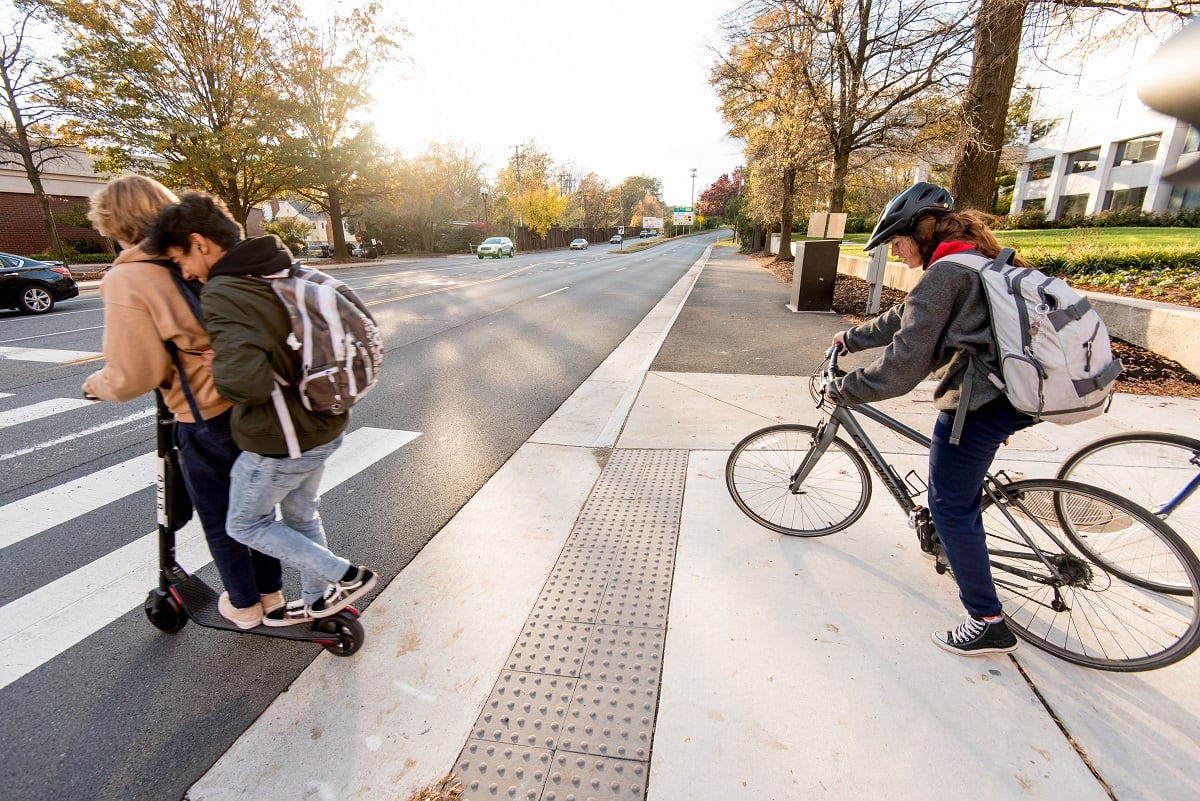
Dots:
(600, 621)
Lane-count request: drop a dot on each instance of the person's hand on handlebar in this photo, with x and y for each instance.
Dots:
(839, 339)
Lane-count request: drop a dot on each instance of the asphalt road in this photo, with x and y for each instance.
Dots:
(100, 705)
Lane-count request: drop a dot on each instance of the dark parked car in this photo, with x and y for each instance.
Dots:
(318, 250)
(33, 286)
(364, 250)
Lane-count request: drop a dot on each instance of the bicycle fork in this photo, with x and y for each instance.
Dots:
(825, 434)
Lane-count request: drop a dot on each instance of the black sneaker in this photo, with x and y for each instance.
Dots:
(289, 614)
(975, 636)
(341, 594)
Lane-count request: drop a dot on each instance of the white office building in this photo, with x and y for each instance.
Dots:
(1096, 146)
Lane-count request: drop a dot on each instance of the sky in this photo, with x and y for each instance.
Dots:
(614, 89)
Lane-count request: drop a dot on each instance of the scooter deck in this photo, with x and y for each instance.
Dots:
(200, 602)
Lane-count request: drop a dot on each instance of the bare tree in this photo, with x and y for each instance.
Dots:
(834, 83)
(26, 119)
(1000, 28)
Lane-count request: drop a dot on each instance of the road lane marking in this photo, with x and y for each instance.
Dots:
(45, 354)
(53, 333)
(31, 516)
(120, 421)
(555, 292)
(39, 626)
(466, 285)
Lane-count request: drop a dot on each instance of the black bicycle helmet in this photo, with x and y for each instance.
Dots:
(903, 211)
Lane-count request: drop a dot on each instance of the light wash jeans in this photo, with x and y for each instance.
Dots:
(257, 484)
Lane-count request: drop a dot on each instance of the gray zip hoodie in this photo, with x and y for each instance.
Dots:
(942, 322)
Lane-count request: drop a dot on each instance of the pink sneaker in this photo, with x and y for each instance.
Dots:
(248, 618)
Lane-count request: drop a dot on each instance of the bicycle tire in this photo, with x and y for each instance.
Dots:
(758, 474)
(1093, 616)
(1148, 468)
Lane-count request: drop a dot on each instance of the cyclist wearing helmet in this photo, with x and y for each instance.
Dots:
(943, 326)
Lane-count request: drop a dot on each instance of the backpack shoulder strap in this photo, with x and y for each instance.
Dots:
(191, 294)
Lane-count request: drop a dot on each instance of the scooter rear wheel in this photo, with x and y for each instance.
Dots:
(347, 630)
(163, 611)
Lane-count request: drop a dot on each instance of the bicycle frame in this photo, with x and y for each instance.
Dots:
(1164, 511)
(842, 416)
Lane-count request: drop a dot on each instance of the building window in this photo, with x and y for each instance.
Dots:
(1124, 198)
(1191, 142)
(1072, 206)
(1184, 198)
(1041, 168)
(1032, 203)
(1135, 151)
(1083, 161)
(1040, 129)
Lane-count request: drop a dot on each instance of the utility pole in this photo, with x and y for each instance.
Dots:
(520, 216)
(693, 203)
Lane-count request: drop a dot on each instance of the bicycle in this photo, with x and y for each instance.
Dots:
(1081, 572)
(1156, 470)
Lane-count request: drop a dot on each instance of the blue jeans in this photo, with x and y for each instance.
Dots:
(956, 474)
(207, 454)
(258, 484)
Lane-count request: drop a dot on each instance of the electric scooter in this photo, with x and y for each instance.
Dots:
(181, 596)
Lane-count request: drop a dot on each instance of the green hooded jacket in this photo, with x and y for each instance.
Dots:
(249, 328)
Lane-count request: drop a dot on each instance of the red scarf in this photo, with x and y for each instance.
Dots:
(946, 248)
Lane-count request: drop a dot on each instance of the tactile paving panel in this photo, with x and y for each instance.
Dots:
(610, 719)
(525, 709)
(494, 770)
(575, 777)
(550, 646)
(581, 686)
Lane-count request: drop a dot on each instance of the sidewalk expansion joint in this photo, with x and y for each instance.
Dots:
(573, 709)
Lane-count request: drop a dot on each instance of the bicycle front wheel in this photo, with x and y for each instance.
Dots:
(1093, 605)
(1156, 470)
(759, 477)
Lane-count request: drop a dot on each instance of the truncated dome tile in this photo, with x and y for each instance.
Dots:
(525, 709)
(610, 719)
(576, 777)
(550, 646)
(493, 770)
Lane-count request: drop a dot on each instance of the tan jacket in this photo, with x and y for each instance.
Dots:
(143, 308)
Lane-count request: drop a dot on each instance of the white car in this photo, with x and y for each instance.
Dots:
(496, 247)
(579, 244)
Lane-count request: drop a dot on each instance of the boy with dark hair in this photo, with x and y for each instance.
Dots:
(249, 328)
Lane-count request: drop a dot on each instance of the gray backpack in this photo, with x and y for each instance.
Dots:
(338, 345)
(1056, 360)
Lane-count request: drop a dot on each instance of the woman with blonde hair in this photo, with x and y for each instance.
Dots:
(146, 316)
(944, 326)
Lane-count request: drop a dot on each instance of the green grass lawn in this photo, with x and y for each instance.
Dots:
(1152, 263)
(1067, 241)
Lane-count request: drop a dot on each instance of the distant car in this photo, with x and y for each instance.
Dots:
(644, 233)
(615, 239)
(319, 250)
(34, 286)
(579, 244)
(496, 247)
(364, 250)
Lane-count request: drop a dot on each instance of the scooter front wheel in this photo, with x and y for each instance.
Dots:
(348, 633)
(163, 611)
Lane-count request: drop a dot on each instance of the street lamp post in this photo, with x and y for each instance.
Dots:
(483, 193)
(693, 203)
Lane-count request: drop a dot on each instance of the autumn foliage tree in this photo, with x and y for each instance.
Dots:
(868, 77)
(186, 91)
(716, 198)
(27, 115)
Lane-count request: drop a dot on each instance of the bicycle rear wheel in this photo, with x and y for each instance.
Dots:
(1079, 607)
(759, 474)
(1152, 469)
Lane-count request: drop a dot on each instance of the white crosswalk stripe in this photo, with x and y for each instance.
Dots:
(45, 510)
(36, 411)
(46, 622)
(52, 355)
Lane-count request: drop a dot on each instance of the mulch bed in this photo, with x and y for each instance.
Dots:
(1146, 373)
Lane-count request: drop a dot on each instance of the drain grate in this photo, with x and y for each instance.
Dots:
(572, 715)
